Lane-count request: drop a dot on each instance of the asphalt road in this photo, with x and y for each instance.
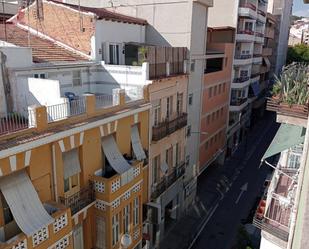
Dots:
(240, 172)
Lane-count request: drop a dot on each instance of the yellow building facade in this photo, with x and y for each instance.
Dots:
(78, 182)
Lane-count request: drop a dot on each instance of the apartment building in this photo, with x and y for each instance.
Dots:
(187, 28)
(267, 69)
(248, 17)
(216, 96)
(282, 10)
(75, 175)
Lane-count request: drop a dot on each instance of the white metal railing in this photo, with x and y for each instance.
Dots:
(65, 110)
(103, 101)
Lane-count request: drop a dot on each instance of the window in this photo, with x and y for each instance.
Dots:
(213, 117)
(126, 219)
(169, 107)
(40, 75)
(221, 111)
(155, 168)
(114, 54)
(178, 154)
(71, 183)
(249, 26)
(210, 92)
(190, 99)
(214, 65)
(189, 131)
(219, 91)
(215, 90)
(136, 211)
(206, 145)
(187, 159)
(157, 114)
(224, 87)
(179, 103)
(208, 119)
(77, 81)
(169, 157)
(294, 160)
(115, 229)
(217, 114)
(192, 66)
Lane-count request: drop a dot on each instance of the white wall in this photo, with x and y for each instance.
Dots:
(17, 56)
(266, 244)
(223, 13)
(116, 32)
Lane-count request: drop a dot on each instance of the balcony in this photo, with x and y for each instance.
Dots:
(79, 200)
(108, 189)
(167, 181)
(257, 59)
(270, 32)
(163, 61)
(166, 128)
(242, 59)
(259, 37)
(241, 82)
(296, 111)
(52, 235)
(261, 16)
(245, 35)
(247, 10)
(267, 52)
(238, 104)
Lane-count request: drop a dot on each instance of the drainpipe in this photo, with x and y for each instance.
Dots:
(55, 189)
(299, 187)
(3, 80)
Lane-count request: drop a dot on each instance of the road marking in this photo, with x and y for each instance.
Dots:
(242, 190)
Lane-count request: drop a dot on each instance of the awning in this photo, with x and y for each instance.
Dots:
(136, 144)
(287, 137)
(267, 62)
(113, 155)
(256, 88)
(164, 167)
(24, 203)
(71, 164)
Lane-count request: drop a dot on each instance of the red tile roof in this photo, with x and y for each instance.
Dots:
(43, 50)
(105, 14)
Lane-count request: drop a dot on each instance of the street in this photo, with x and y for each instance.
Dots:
(238, 183)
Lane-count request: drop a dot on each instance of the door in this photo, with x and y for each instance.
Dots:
(78, 237)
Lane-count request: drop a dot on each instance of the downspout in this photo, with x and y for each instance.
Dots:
(4, 81)
(299, 187)
(54, 173)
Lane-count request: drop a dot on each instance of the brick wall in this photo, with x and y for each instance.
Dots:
(62, 24)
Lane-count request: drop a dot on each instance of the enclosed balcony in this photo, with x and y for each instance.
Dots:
(163, 61)
(169, 126)
(167, 181)
(259, 37)
(242, 59)
(245, 35)
(247, 8)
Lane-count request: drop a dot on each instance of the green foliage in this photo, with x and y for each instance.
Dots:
(291, 87)
(298, 53)
(142, 51)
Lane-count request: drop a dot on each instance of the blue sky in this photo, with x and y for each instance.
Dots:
(300, 9)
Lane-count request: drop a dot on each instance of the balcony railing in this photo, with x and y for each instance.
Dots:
(167, 181)
(13, 122)
(248, 5)
(238, 102)
(241, 79)
(78, 200)
(245, 32)
(258, 34)
(168, 127)
(254, 75)
(243, 56)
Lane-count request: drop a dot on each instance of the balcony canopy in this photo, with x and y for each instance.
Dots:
(136, 144)
(24, 203)
(287, 137)
(114, 156)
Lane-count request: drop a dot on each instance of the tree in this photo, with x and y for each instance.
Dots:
(298, 53)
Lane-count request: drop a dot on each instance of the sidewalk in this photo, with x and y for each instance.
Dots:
(211, 187)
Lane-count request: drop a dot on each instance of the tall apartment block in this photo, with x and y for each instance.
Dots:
(248, 17)
(187, 28)
(282, 10)
(216, 95)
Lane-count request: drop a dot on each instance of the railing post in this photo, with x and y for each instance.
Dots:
(146, 93)
(40, 117)
(119, 97)
(145, 71)
(90, 102)
(185, 66)
(168, 69)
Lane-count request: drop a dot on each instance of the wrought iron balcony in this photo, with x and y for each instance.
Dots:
(241, 79)
(167, 181)
(168, 127)
(79, 200)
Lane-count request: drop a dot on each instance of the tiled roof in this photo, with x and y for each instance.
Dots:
(102, 13)
(43, 50)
